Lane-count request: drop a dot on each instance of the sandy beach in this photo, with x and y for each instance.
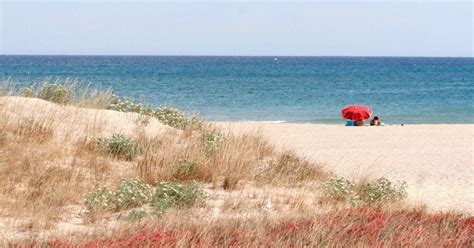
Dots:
(435, 160)
(48, 149)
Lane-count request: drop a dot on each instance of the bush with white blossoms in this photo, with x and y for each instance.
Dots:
(166, 115)
(377, 191)
(124, 104)
(175, 118)
(337, 188)
(101, 199)
(382, 190)
(133, 193)
(171, 117)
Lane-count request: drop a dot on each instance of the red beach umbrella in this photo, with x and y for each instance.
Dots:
(356, 112)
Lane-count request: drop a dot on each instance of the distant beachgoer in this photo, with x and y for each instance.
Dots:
(376, 121)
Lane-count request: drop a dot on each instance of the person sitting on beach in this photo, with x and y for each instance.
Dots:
(375, 121)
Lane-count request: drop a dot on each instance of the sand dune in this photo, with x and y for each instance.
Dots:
(76, 122)
(435, 160)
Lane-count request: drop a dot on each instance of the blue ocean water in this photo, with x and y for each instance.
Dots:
(292, 89)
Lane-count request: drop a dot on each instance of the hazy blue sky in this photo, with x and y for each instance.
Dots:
(346, 28)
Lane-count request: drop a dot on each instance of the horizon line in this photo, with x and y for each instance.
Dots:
(227, 55)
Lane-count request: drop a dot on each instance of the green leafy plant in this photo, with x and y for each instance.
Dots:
(133, 193)
(174, 194)
(101, 199)
(136, 215)
(124, 104)
(381, 190)
(28, 91)
(55, 92)
(337, 188)
(119, 146)
(171, 116)
(377, 191)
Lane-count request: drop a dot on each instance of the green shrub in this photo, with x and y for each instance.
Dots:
(56, 92)
(53, 92)
(171, 117)
(174, 194)
(28, 91)
(381, 190)
(378, 191)
(133, 193)
(100, 199)
(185, 169)
(119, 146)
(212, 142)
(337, 188)
(136, 215)
(124, 104)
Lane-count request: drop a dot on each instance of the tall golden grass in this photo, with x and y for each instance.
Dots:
(44, 169)
(258, 195)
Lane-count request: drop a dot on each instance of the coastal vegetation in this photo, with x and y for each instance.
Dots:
(83, 167)
(373, 192)
(119, 146)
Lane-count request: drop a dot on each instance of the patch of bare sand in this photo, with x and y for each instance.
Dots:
(435, 160)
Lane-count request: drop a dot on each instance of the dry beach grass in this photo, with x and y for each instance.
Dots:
(435, 160)
(256, 194)
(48, 161)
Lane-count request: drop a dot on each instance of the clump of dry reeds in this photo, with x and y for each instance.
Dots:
(44, 169)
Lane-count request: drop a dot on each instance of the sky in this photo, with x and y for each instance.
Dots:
(244, 28)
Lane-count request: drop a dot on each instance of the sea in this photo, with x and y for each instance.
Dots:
(400, 90)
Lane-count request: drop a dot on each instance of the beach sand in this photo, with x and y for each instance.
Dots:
(435, 160)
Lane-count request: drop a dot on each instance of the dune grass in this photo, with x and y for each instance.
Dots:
(252, 193)
(354, 227)
(68, 91)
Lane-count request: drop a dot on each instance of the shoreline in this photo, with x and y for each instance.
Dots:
(338, 124)
(436, 160)
(366, 125)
